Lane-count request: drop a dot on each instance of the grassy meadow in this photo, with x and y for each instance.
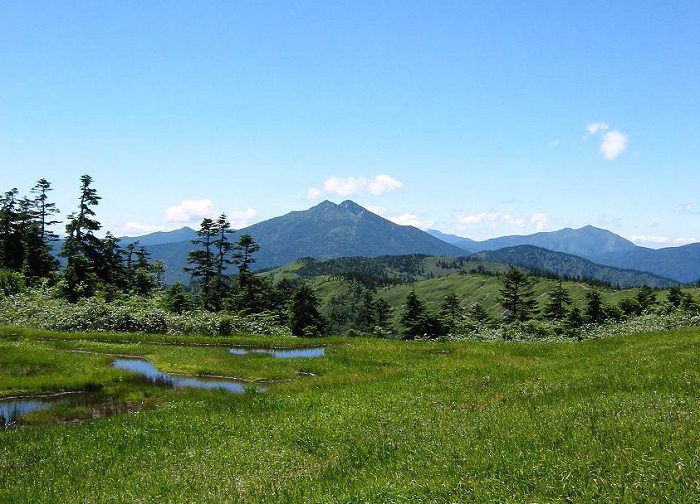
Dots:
(610, 420)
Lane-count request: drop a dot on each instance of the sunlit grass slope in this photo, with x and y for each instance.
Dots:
(613, 420)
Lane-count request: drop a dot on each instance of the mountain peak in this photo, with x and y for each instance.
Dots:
(352, 207)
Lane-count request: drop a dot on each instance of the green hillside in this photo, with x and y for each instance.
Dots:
(337, 282)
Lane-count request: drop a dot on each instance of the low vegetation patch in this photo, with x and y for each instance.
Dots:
(614, 419)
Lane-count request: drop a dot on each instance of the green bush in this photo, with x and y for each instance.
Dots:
(39, 310)
(11, 282)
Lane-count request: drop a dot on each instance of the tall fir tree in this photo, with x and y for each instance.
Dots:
(559, 300)
(81, 248)
(304, 317)
(203, 261)
(518, 296)
(11, 249)
(248, 285)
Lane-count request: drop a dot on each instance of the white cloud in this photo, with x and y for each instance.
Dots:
(686, 209)
(655, 240)
(405, 219)
(540, 221)
(411, 219)
(384, 183)
(379, 210)
(473, 219)
(504, 218)
(350, 186)
(242, 218)
(614, 143)
(660, 241)
(313, 193)
(191, 210)
(355, 186)
(594, 128)
(554, 143)
(135, 229)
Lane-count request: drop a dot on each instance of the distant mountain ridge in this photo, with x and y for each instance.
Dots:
(161, 237)
(325, 231)
(588, 242)
(681, 264)
(329, 230)
(571, 266)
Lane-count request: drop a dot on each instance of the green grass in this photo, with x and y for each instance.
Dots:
(382, 421)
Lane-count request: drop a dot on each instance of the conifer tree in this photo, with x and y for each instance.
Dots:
(11, 249)
(517, 296)
(222, 249)
(39, 260)
(81, 248)
(559, 300)
(304, 317)
(595, 312)
(248, 285)
(450, 310)
(203, 261)
(366, 318)
(44, 210)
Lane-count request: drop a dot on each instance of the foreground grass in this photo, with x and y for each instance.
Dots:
(382, 421)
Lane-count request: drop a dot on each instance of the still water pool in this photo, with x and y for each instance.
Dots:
(282, 353)
(152, 374)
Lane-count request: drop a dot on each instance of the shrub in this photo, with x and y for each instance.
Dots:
(11, 282)
(39, 310)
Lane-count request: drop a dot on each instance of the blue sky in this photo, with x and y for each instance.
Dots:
(479, 119)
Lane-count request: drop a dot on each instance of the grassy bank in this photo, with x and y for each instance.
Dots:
(380, 421)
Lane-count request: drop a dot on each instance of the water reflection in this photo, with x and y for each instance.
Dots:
(282, 353)
(151, 373)
(12, 410)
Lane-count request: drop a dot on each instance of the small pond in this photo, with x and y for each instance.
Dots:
(151, 373)
(11, 410)
(282, 353)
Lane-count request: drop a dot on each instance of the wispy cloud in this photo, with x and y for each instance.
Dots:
(242, 218)
(686, 209)
(651, 240)
(540, 221)
(191, 210)
(685, 240)
(504, 218)
(411, 219)
(595, 128)
(404, 219)
(356, 186)
(661, 241)
(135, 229)
(612, 142)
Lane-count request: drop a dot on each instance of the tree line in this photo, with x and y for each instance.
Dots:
(519, 305)
(222, 279)
(93, 266)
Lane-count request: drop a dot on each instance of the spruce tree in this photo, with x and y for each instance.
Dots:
(595, 312)
(248, 285)
(559, 300)
(11, 249)
(81, 248)
(414, 317)
(39, 260)
(517, 296)
(203, 261)
(304, 317)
